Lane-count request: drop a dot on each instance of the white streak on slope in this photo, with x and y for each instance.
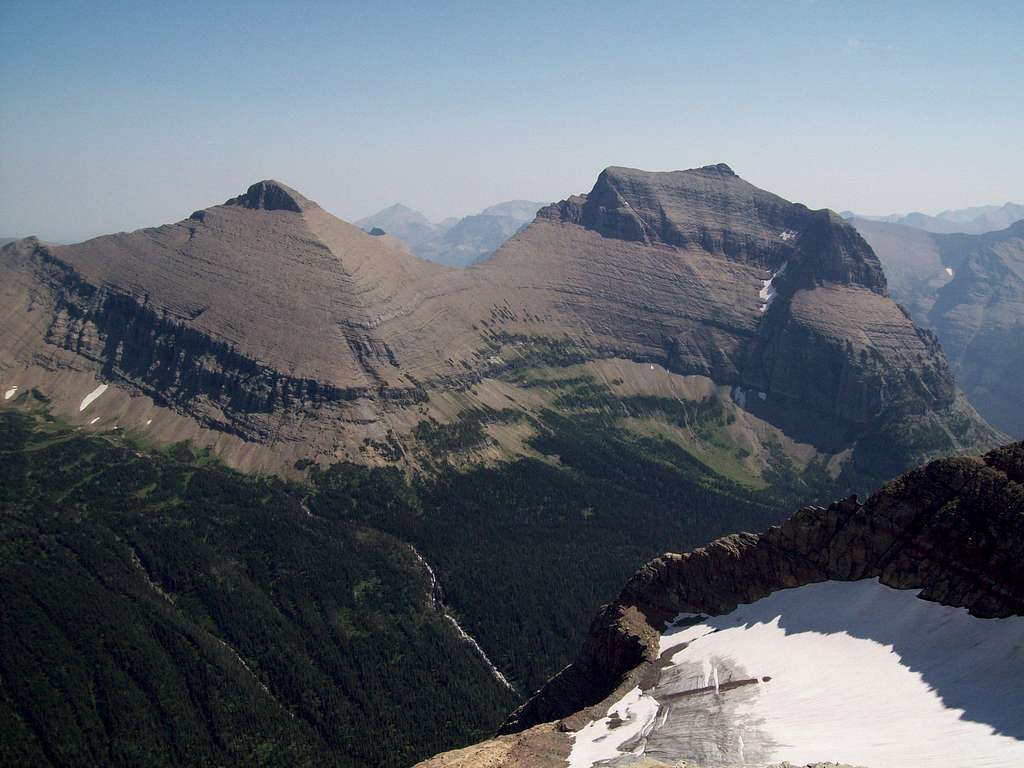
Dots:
(87, 400)
(437, 604)
(768, 292)
(10, 393)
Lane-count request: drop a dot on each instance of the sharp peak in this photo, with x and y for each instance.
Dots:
(271, 195)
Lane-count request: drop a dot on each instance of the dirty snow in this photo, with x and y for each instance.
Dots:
(10, 393)
(630, 718)
(854, 672)
(768, 291)
(92, 396)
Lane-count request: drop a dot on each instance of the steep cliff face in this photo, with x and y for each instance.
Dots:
(708, 275)
(268, 320)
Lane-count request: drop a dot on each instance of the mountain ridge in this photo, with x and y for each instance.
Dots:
(698, 272)
(974, 221)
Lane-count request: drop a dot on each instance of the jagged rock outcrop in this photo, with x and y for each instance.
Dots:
(953, 529)
(270, 196)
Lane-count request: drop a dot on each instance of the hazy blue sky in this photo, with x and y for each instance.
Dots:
(122, 115)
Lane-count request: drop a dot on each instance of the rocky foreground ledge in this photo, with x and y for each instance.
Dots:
(953, 529)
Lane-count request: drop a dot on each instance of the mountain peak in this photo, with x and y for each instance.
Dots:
(270, 195)
(719, 168)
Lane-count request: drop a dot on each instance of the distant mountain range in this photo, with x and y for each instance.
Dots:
(970, 290)
(974, 221)
(453, 242)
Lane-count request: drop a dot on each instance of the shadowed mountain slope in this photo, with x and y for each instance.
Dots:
(970, 290)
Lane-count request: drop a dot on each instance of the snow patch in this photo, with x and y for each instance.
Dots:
(787, 235)
(949, 271)
(10, 393)
(740, 397)
(92, 396)
(854, 672)
(148, 422)
(768, 291)
(95, 420)
(628, 720)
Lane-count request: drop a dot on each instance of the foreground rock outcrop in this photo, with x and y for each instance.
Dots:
(953, 529)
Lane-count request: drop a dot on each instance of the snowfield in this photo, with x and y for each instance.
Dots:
(852, 672)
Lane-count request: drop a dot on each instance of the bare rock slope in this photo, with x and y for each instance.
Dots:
(275, 331)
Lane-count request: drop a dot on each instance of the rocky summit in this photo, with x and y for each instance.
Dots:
(275, 332)
(923, 582)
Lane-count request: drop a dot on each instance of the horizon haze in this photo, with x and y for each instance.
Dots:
(118, 118)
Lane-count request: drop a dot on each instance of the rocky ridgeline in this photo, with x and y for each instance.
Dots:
(953, 529)
(298, 335)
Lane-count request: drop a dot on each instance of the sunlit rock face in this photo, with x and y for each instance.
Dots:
(850, 671)
(275, 331)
